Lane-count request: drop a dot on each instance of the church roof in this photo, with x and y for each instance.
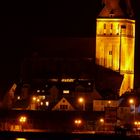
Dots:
(116, 9)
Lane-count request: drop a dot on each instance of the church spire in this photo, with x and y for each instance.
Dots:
(129, 8)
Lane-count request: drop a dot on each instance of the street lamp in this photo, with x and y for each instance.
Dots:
(102, 121)
(78, 122)
(82, 101)
(22, 120)
(132, 103)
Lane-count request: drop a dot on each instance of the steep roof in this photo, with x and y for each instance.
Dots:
(107, 81)
(116, 9)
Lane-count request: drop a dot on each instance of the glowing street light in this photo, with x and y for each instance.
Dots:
(109, 102)
(132, 102)
(34, 98)
(22, 120)
(102, 123)
(78, 122)
(101, 120)
(82, 101)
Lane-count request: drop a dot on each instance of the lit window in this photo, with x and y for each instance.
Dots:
(41, 103)
(66, 91)
(38, 91)
(18, 97)
(89, 83)
(43, 97)
(43, 90)
(67, 80)
(47, 103)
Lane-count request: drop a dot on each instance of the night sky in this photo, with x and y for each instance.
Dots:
(22, 22)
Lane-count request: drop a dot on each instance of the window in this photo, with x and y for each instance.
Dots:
(111, 27)
(43, 90)
(110, 52)
(118, 29)
(104, 29)
(63, 107)
(38, 91)
(66, 91)
(47, 103)
(89, 83)
(104, 26)
(63, 101)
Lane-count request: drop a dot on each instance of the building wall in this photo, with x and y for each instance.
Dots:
(115, 45)
(99, 105)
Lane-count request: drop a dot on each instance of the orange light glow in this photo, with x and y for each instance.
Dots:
(81, 100)
(131, 101)
(23, 119)
(101, 120)
(34, 98)
(78, 121)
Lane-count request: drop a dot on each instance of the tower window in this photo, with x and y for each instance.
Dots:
(104, 26)
(118, 29)
(110, 52)
(104, 29)
(131, 30)
(111, 27)
(123, 26)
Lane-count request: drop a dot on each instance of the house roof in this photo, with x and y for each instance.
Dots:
(107, 81)
(63, 100)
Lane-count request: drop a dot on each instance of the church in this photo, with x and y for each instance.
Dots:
(115, 41)
(105, 68)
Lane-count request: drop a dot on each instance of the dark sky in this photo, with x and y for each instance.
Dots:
(53, 18)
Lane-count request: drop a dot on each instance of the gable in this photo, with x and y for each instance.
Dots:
(63, 105)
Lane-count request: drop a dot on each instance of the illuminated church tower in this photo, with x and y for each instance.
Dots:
(115, 40)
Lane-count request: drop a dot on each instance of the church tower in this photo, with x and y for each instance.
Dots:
(115, 40)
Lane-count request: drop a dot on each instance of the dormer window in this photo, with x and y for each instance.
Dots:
(111, 14)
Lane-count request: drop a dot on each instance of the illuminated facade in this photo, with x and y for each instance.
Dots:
(115, 42)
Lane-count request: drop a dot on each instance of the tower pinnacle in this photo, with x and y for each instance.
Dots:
(129, 8)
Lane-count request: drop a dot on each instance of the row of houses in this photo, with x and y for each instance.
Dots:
(85, 98)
